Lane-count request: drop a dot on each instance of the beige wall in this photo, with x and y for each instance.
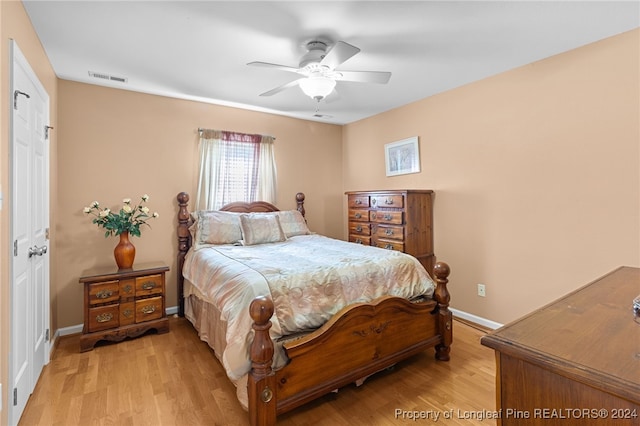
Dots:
(115, 144)
(536, 174)
(15, 25)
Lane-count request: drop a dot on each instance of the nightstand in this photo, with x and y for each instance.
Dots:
(123, 303)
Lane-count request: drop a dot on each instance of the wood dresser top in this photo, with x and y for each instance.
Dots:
(589, 334)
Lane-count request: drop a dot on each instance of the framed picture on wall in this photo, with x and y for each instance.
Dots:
(402, 157)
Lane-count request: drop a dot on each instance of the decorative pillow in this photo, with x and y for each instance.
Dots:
(293, 223)
(260, 228)
(216, 227)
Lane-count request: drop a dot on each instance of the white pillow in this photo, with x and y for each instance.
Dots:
(216, 227)
(260, 228)
(293, 223)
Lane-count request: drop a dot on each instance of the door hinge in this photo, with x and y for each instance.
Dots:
(15, 396)
(15, 247)
(15, 97)
(46, 132)
(46, 335)
(46, 233)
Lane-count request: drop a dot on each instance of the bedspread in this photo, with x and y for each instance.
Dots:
(308, 277)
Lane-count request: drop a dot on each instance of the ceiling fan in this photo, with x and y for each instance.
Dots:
(318, 68)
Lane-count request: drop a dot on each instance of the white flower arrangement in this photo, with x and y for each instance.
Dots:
(128, 219)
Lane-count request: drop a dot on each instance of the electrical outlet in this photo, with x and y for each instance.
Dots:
(482, 292)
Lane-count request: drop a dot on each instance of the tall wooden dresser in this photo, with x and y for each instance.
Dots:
(394, 219)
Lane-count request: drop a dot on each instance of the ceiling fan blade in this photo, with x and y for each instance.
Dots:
(281, 88)
(380, 77)
(274, 66)
(338, 54)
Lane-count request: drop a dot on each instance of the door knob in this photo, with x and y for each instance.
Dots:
(37, 251)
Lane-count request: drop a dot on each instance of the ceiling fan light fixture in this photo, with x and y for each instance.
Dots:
(317, 87)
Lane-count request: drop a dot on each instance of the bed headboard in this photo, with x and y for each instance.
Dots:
(185, 221)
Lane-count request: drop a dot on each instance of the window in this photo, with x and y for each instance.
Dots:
(235, 167)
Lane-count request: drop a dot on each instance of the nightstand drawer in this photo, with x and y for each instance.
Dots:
(127, 313)
(148, 309)
(148, 285)
(127, 288)
(104, 292)
(103, 317)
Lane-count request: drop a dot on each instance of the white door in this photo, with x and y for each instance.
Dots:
(29, 350)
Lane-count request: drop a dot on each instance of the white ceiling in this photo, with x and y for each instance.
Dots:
(199, 49)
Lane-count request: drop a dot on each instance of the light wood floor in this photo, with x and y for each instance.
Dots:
(175, 379)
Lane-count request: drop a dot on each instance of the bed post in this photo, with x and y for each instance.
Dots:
(261, 384)
(184, 242)
(445, 319)
(300, 203)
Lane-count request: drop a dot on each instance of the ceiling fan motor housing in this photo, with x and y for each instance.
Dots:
(316, 52)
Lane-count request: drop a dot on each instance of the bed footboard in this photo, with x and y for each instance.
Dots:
(358, 341)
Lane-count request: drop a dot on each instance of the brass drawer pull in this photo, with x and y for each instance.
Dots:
(358, 215)
(387, 217)
(358, 228)
(388, 201)
(389, 246)
(388, 232)
(149, 309)
(127, 313)
(127, 288)
(358, 241)
(149, 285)
(104, 317)
(358, 201)
(103, 294)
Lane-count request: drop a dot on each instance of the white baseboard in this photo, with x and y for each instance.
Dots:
(476, 319)
(65, 331)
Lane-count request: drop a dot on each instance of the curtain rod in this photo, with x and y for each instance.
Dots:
(200, 130)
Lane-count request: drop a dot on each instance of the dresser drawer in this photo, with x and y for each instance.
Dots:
(103, 317)
(358, 201)
(389, 245)
(149, 285)
(357, 228)
(390, 232)
(359, 215)
(360, 239)
(392, 200)
(104, 292)
(148, 309)
(392, 217)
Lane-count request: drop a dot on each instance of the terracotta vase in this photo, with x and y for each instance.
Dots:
(124, 252)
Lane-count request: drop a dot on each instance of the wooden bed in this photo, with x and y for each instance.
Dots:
(358, 341)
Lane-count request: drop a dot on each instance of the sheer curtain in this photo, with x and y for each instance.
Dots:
(235, 167)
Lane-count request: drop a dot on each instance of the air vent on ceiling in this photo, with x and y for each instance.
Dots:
(104, 76)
